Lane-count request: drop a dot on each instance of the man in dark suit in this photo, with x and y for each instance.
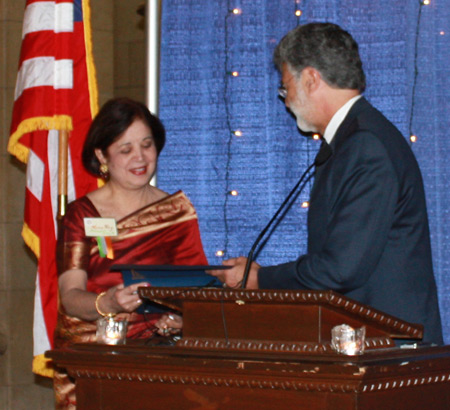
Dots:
(368, 235)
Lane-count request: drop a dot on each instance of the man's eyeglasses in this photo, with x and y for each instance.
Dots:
(282, 92)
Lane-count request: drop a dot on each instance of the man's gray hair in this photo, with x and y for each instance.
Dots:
(327, 48)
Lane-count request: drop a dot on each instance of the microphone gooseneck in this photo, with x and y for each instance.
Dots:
(323, 154)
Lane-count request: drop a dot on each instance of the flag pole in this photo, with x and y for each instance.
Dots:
(63, 153)
(153, 41)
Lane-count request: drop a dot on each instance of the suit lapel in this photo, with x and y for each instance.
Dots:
(347, 127)
(319, 201)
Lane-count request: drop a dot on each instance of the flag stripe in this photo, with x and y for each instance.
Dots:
(29, 103)
(45, 43)
(39, 329)
(35, 175)
(44, 71)
(52, 152)
(39, 44)
(43, 16)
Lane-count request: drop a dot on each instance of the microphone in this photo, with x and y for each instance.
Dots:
(321, 157)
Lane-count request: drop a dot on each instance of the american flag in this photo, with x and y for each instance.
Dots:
(56, 90)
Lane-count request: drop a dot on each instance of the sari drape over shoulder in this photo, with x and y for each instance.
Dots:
(164, 232)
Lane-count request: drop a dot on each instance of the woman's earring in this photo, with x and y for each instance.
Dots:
(104, 171)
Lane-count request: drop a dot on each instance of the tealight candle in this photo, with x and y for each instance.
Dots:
(111, 331)
(349, 341)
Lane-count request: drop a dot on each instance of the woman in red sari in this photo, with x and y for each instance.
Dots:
(122, 146)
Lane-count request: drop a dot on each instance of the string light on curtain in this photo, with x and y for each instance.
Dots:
(297, 11)
(316, 137)
(412, 137)
(232, 12)
(231, 75)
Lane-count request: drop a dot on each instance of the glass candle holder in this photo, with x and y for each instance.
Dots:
(348, 341)
(111, 331)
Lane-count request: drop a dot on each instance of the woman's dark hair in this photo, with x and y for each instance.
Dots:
(326, 47)
(111, 122)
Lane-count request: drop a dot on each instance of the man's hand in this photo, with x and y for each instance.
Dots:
(232, 278)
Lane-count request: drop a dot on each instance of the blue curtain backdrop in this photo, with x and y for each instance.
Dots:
(405, 50)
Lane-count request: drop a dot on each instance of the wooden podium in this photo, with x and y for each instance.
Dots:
(264, 349)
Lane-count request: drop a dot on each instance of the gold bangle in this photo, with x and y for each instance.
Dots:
(99, 310)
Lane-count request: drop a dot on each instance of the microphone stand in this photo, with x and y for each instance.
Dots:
(324, 153)
(263, 232)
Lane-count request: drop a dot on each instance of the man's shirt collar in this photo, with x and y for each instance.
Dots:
(337, 119)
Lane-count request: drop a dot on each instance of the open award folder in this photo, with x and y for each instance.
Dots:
(168, 276)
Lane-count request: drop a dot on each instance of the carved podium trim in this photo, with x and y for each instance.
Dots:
(345, 386)
(272, 346)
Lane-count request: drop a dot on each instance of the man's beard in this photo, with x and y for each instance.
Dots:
(300, 114)
(304, 125)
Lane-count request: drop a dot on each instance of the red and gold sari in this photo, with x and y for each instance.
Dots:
(165, 232)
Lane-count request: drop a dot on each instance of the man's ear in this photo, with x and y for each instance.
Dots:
(99, 154)
(311, 79)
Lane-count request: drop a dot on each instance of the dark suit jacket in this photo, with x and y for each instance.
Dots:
(368, 235)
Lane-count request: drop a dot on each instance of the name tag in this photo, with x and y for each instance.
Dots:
(100, 227)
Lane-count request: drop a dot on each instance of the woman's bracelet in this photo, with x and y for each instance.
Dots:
(98, 308)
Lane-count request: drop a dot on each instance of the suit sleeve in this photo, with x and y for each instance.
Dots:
(361, 192)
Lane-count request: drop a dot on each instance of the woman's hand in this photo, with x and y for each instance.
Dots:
(80, 303)
(120, 299)
(169, 324)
